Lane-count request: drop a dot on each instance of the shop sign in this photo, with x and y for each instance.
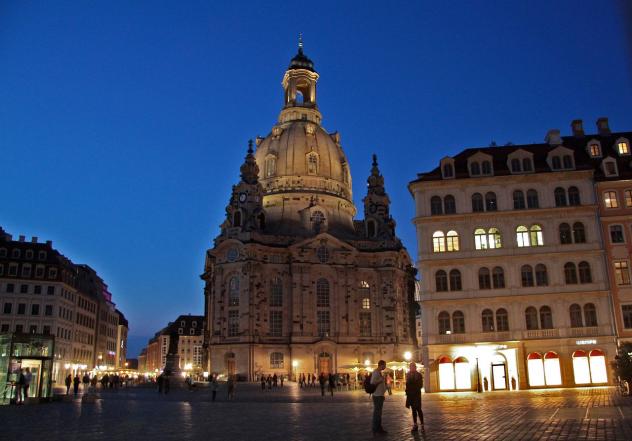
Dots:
(586, 342)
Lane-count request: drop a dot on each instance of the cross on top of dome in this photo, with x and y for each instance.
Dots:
(300, 60)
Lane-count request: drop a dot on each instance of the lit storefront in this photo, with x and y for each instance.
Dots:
(19, 352)
(589, 367)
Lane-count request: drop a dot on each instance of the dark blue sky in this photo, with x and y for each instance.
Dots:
(123, 124)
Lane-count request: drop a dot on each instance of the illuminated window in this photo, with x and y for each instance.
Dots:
(535, 368)
(623, 148)
(366, 303)
(498, 277)
(552, 373)
(441, 280)
(276, 360)
(595, 150)
(480, 239)
(621, 272)
(444, 323)
(522, 236)
(610, 199)
(436, 205)
(462, 374)
(628, 198)
(449, 204)
(478, 205)
(438, 242)
(455, 280)
(598, 371)
(536, 236)
(452, 241)
(446, 374)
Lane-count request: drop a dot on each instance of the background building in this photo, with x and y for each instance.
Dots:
(121, 340)
(514, 270)
(43, 292)
(293, 283)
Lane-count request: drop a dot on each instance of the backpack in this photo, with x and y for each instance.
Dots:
(368, 387)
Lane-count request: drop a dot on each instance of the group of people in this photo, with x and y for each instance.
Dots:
(113, 381)
(379, 388)
(22, 385)
(272, 381)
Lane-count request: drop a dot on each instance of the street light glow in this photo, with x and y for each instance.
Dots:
(294, 363)
(407, 355)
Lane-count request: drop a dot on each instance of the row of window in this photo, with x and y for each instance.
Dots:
(24, 289)
(21, 309)
(16, 253)
(521, 201)
(27, 271)
(495, 278)
(491, 239)
(19, 328)
(534, 319)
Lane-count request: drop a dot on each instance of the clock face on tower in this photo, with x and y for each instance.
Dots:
(242, 197)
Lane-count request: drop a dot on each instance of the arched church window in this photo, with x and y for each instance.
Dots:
(318, 220)
(276, 292)
(270, 166)
(312, 164)
(322, 293)
(233, 291)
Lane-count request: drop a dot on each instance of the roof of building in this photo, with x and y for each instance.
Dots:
(579, 144)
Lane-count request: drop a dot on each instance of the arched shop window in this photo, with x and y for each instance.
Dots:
(454, 374)
(446, 373)
(544, 370)
(462, 375)
(589, 367)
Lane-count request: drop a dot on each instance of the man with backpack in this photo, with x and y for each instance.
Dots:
(376, 386)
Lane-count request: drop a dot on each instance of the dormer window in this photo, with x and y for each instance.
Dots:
(515, 165)
(556, 163)
(312, 164)
(610, 167)
(527, 165)
(448, 171)
(623, 147)
(594, 149)
(475, 169)
(567, 161)
(487, 168)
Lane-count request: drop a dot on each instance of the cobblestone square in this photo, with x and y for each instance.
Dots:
(294, 414)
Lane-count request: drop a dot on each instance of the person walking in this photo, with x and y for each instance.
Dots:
(281, 379)
(27, 382)
(377, 380)
(322, 380)
(230, 384)
(332, 384)
(75, 382)
(214, 387)
(86, 382)
(68, 382)
(414, 383)
(19, 386)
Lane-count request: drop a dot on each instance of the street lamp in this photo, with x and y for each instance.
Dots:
(407, 355)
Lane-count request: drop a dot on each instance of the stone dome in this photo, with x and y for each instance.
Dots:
(300, 156)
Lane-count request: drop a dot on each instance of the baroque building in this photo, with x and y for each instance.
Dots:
(524, 262)
(293, 284)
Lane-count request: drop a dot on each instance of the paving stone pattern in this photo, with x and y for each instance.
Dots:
(293, 414)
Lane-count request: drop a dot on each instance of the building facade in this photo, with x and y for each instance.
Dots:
(43, 292)
(515, 273)
(122, 329)
(293, 284)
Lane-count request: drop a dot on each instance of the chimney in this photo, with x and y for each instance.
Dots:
(553, 137)
(34, 239)
(21, 238)
(578, 128)
(49, 243)
(602, 126)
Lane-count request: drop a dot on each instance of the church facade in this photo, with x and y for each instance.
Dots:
(293, 284)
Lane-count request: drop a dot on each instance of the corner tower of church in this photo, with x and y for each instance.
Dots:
(293, 284)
